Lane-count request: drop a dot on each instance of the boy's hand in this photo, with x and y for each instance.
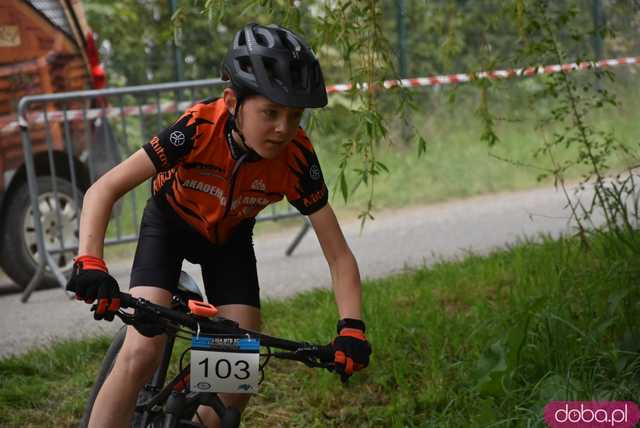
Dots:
(351, 347)
(90, 280)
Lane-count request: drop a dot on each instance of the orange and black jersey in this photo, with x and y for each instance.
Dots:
(213, 184)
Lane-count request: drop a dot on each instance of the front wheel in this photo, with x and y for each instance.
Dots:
(105, 369)
(139, 420)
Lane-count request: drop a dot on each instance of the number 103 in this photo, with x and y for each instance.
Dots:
(223, 369)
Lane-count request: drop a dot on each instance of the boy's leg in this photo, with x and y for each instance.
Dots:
(134, 366)
(249, 318)
(231, 283)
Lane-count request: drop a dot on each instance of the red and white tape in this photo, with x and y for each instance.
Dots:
(451, 79)
(92, 114)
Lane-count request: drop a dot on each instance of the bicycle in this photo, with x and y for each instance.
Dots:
(173, 404)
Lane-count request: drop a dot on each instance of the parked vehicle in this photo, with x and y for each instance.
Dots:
(46, 46)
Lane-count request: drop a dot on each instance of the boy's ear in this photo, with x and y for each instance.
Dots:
(230, 99)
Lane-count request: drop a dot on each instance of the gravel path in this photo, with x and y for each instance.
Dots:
(396, 240)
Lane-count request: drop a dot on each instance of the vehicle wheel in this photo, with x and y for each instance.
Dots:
(18, 246)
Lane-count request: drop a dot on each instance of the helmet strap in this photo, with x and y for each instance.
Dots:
(252, 154)
(234, 119)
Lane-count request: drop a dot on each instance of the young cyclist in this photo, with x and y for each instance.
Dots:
(222, 162)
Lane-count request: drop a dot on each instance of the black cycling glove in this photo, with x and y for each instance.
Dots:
(90, 280)
(351, 348)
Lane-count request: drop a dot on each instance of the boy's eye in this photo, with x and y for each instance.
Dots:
(271, 114)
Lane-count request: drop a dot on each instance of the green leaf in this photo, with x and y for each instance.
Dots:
(344, 189)
(422, 145)
(382, 166)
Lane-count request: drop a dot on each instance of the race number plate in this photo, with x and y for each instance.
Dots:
(225, 364)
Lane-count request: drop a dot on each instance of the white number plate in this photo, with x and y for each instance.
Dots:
(225, 364)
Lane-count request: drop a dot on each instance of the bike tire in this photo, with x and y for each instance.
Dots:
(105, 369)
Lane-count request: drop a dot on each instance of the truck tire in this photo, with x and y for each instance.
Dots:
(18, 245)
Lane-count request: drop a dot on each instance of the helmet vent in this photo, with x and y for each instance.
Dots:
(262, 40)
(297, 76)
(269, 66)
(245, 64)
(291, 45)
(242, 39)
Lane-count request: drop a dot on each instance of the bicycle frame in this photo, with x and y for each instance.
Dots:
(172, 403)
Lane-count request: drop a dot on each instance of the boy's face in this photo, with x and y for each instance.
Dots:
(267, 127)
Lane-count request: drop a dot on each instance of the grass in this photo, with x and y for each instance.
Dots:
(485, 341)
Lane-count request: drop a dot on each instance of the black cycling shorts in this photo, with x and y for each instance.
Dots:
(228, 270)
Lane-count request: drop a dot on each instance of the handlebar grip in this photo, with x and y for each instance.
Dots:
(326, 354)
(127, 300)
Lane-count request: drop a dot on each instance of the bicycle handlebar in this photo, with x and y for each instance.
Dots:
(219, 325)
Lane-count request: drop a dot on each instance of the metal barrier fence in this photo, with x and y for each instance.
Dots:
(69, 140)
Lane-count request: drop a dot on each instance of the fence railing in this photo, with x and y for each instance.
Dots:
(69, 140)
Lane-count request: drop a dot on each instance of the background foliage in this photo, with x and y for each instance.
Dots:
(442, 36)
(357, 42)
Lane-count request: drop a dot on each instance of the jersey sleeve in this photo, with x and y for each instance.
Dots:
(307, 190)
(175, 142)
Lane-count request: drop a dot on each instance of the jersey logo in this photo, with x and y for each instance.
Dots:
(314, 172)
(177, 138)
(258, 184)
(210, 189)
(314, 197)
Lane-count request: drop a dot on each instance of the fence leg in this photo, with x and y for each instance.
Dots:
(33, 284)
(303, 231)
(46, 258)
(35, 281)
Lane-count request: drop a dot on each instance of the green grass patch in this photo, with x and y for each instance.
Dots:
(48, 387)
(485, 341)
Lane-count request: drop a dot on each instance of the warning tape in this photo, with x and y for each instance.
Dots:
(172, 107)
(493, 75)
(92, 114)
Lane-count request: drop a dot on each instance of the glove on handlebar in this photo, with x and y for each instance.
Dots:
(90, 280)
(351, 348)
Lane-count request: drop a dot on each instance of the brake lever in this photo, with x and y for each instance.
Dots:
(126, 318)
(311, 359)
(309, 356)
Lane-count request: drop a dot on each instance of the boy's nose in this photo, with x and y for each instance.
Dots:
(283, 125)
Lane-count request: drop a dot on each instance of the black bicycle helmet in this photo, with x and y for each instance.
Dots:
(276, 63)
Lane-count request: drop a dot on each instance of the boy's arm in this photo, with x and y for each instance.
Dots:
(344, 268)
(90, 279)
(99, 200)
(351, 348)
